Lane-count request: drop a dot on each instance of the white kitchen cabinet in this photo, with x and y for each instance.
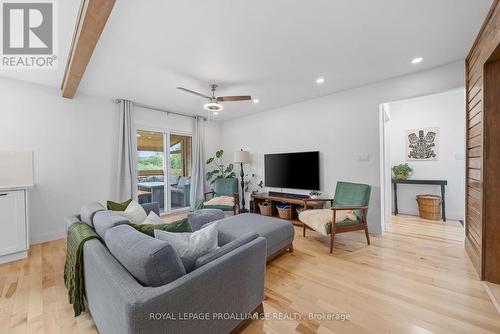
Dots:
(14, 241)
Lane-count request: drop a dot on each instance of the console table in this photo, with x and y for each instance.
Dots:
(441, 183)
(293, 200)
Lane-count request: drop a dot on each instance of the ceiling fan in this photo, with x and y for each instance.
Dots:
(214, 101)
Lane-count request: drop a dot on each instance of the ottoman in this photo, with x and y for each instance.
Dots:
(279, 233)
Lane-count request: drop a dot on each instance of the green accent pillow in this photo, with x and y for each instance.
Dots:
(178, 226)
(115, 206)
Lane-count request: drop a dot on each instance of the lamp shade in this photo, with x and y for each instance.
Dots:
(242, 157)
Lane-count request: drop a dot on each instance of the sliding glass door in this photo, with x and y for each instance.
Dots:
(171, 186)
(180, 171)
(151, 167)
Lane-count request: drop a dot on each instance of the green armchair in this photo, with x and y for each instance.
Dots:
(225, 187)
(348, 196)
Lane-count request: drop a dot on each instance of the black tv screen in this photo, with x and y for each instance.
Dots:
(292, 170)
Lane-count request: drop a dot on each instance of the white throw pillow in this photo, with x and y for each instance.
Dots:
(318, 219)
(134, 213)
(221, 200)
(153, 218)
(191, 246)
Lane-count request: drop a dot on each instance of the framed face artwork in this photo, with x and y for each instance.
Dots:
(422, 144)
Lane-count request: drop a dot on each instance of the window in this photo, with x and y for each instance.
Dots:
(151, 169)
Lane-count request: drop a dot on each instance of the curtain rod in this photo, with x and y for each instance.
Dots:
(162, 110)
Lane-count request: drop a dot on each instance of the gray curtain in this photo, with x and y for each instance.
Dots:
(198, 169)
(126, 172)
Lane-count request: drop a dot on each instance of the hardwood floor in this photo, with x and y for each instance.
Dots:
(415, 278)
(493, 291)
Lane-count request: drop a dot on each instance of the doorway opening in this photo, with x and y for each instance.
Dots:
(164, 169)
(424, 137)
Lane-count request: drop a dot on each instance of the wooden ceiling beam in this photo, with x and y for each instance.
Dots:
(89, 26)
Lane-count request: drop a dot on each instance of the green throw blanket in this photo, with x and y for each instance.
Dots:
(78, 233)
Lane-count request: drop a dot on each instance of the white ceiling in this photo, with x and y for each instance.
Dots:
(272, 50)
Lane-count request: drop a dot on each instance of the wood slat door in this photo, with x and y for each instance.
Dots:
(481, 53)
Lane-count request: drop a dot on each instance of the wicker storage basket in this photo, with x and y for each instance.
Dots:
(266, 209)
(299, 210)
(285, 212)
(429, 206)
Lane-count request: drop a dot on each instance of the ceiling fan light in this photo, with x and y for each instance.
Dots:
(213, 106)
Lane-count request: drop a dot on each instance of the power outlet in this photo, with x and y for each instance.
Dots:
(363, 157)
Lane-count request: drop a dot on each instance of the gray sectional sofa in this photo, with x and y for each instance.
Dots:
(137, 284)
(278, 233)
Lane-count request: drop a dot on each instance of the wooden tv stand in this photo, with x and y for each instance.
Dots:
(293, 201)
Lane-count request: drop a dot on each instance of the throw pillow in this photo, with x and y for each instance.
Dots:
(153, 218)
(134, 213)
(179, 226)
(319, 219)
(227, 248)
(191, 246)
(221, 200)
(115, 206)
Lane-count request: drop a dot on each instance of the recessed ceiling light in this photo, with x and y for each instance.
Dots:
(417, 60)
(216, 113)
(256, 101)
(138, 135)
(320, 80)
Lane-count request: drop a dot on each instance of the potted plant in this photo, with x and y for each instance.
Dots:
(221, 171)
(402, 171)
(315, 194)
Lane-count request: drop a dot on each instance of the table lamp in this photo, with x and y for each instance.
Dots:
(242, 157)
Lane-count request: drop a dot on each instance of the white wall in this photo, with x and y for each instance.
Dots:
(447, 112)
(342, 126)
(147, 119)
(74, 144)
(213, 139)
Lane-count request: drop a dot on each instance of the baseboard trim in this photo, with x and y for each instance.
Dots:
(492, 296)
(449, 216)
(47, 236)
(13, 257)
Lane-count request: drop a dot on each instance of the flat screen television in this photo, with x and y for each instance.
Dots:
(292, 170)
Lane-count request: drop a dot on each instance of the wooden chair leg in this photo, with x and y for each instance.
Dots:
(366, 226)
(332, 229)
(332, 236)
(304, 230)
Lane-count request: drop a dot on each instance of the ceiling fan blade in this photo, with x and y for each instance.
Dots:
(195, 93)
(233, 98)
